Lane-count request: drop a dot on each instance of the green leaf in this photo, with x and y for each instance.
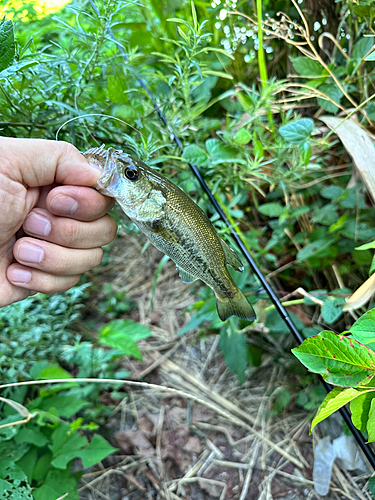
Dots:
(13, 482)
(306, 66)
(271, 209)
(363, 329)
(332, 91)
(65, 405)
(305, 151)
(319, 294)
(331, 192)
(366, 246)
(335, 400)
(242, 136)
(340, 360)
(298, 131)
(371, 423)
(7, 45)
(57, 484)
(372, 267)
(220, 152)
(97, 450)
(332, 309)
(122, 334)
(31, 434)
(54, 372)
(360, 409)
(234, 349)
(363, 46)
(117, 88)
(195, 155)
(314, 249)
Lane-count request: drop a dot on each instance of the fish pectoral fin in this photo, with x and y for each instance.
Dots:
(185, 276)
(152, 208)
(231, 258)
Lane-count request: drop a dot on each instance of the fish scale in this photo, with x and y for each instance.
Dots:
(174, 224)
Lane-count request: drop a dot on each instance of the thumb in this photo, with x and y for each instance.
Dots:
(38, 162)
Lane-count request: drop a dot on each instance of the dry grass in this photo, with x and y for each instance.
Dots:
(230, 445)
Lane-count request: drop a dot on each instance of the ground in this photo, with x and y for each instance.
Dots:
(190, 431)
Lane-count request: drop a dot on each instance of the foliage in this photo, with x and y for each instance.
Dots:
(37, 457)
(283, 185)
(348, 362)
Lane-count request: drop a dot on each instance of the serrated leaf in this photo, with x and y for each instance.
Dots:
(339, 359)
(334, 400)
(234, 349)
(332, 309)
(7, 45)
(298, 131)
(371, 423)
(360, 408)
(97, 450)
(363, 329)
(271, 209)
(195, 155)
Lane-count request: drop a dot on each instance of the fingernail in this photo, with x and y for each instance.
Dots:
(30, 253)
(64, 205)
(37, 224)
(16, 275)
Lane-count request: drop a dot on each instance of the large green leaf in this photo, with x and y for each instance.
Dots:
(195, 155)
(97, 450)
(234, 349)
(363, 329)
(332, 309)
(7, 45)
(13, 482)
(271, 209)
(334, 400)
(306, 66)
(122, 335)
(56, 485)
(340, 360)
(298, 131)
(314, 249)
(332, 92)
(360, 408)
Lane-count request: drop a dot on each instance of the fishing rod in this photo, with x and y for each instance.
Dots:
(367, 450)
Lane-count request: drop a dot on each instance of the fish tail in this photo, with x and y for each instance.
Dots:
(235, 306)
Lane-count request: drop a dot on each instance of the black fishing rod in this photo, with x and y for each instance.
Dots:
(367, 450)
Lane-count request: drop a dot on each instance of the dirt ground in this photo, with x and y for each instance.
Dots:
(191, 432)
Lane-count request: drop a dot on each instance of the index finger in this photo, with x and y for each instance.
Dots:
(39, 162)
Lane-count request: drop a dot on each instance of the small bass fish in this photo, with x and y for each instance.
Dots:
(174, 224)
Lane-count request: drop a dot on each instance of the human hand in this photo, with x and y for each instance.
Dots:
(46, 193)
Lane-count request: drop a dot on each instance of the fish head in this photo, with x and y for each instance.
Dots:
(123, 177)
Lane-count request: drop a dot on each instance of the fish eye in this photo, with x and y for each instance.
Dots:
(131, 174)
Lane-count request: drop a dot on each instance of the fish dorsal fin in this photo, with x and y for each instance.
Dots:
(231, 258)
(185, 276)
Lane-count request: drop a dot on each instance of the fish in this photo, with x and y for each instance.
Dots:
(174, 224)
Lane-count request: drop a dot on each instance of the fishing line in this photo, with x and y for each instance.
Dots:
(367, 450)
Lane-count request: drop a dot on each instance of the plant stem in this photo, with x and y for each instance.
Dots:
(262, 59)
